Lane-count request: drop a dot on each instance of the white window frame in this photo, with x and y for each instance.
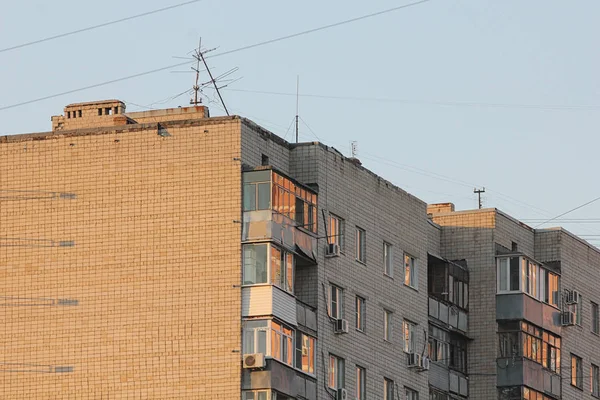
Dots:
(499, 266)
(361, 245)
(310, 350)
(388, 259)
(284, 349)
(283, 276)
(387, 325)
(335, 372)
(336, 312)
(268, 394)
(412, 278)
(409, 336)
(595, 309)
(360, 312)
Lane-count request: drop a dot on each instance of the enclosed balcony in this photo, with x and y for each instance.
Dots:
(281, 210)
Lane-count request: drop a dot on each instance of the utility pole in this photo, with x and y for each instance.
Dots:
(479, 191)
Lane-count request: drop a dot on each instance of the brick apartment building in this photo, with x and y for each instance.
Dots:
(170, 255)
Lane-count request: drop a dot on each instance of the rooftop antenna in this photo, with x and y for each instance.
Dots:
(479, 191)
(199, 55)
(297, 103)
(196, 88)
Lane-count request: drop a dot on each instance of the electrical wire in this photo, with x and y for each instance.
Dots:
(309, 31)
(553, 107)
(90, 28)
(567, 212)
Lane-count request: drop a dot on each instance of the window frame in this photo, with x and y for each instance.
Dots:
(339, 306)
(360, 245)
(287, 346)
(408, 333)
(412, 278)
(388, 389)
(388, 259)
(360, 313)
(287, 267)
(576, 371)
(595, 318)
(361, 383)
(335, 372)
(387, 325)
(595, 380)
(336, 228)
(310, 350)
(411, 394)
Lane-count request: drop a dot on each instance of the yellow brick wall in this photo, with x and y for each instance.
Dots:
(155, 260)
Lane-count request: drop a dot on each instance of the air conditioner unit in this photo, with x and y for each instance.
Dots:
(414, 360)
(342, 394)
(254, 361)
(332, 250)
(341, 326)
(572, 297)
(567, 318)
(424, 365)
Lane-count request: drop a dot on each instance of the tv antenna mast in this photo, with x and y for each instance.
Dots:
(479, 191)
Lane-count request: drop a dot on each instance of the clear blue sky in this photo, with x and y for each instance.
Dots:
(479, 52)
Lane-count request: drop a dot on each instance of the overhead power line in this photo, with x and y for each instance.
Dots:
(90, 28)
(570, 211)
(428, 102)
(306, 32)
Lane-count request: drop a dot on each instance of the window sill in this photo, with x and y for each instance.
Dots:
(388, 276)
(596, 333)
(577, 387)
(361, 331)
(416, 289)
(361, 262)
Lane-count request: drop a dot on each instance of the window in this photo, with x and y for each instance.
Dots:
(577, 309)
(409, 336)
(282, 343)
(523, 339)
(282, 269)
(294, 202)
(594, 379)
(278, 269)
(361, 384)
(264, 159)
(438, 345)
(255, 264)
(305, 353)
(388, 389)
(576, 371)
(336, 372)
(458, 354)
(257, 190)
(336, 231)
(256, 336)
(255, 395)
(388, 259)
(360, 313)
(411, 277)
(411, 394)
(387, 325)
(519, 274)
(99, 111)
(336, 297)
(436, 395)
(270, 338)
(595, 321)
(361, 245)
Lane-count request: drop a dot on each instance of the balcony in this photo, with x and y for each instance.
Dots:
(269, 225)
(453, 316)
(263, 300)
(519, 306)
(519, 372)
(280, 377)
